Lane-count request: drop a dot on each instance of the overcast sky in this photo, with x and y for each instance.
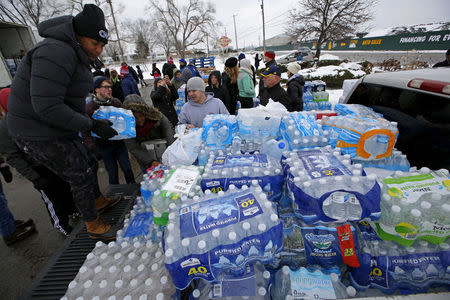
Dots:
(387, 13)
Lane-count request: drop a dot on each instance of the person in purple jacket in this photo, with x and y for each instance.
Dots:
(200, 104)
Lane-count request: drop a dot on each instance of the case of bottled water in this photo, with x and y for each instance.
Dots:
(309, 284)
(301, 130)
(397, 162)
(360, 137)
(219, 130)
(415, 205)
(178, 181)
(219, 233)
(258, 124)
(322, 100)
(181, 99)
(356, 110)
(388, 266)
(252, 284)
(326, 187)
(256, 170)
(122, 119)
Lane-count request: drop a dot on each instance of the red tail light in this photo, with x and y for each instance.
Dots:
(430, 85)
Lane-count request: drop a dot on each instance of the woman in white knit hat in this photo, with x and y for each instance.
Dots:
(295, 85)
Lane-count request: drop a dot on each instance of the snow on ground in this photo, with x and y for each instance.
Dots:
(328, 57)
(320, 72)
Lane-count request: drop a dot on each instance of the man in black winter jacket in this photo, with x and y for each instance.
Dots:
(273, 90)
(269, 60)
(46, 108)
(215, 86)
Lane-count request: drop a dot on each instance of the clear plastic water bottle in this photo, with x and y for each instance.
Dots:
(119, 124)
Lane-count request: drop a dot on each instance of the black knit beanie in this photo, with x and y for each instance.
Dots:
(91, 23)
(231, 62)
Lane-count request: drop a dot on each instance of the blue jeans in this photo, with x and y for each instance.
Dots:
(116, 152)
(6, 218)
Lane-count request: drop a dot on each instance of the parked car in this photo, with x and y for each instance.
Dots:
(305, 53)
(419, 101)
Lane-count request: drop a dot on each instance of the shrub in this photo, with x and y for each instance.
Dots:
(331, 62)
(335, 81)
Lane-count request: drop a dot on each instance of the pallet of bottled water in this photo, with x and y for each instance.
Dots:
(309, 283)
(415, 205)
(301, 130)
(326, 187)
(252, 284)
(388, 266)
(177, 182)
(122, 121)
(357, 110)
(219, 130)
(256, 170)
(222, 232)
(122, 271)
(364, 138)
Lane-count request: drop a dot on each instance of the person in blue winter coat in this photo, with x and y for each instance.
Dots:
(129, 85)
(200, 104)
(189, 71)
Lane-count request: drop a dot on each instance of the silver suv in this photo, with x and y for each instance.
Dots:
(305, 53)
(419, 101)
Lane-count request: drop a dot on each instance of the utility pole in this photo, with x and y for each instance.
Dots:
(264, 26)
(235, 33)
(117, 31)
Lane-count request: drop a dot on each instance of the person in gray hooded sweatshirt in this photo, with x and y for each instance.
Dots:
(46, 109)
(200, 104)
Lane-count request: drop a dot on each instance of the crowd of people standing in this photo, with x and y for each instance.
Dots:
(55, 93)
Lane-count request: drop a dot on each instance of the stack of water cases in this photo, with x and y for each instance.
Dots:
(315, 97)
(178, 181)
(326, 187)
(181, 99)
(257, 125)
(218, 233)
(256, 170)
(389, 266)
(415, 205)
(122, 271)
(308, 103)
(301, 130)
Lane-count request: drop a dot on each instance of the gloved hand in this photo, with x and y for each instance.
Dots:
(6, 172)
(103, 129)
(41, 183)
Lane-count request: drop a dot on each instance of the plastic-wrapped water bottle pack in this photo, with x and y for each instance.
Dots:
(356, 110)
(252, 284)
(122, 271)
(138, 226)
(396, 162)
(178, 181)
(301, 130)
(122, 119)
(326, 187)
(309, 284)
(364, 138)
(181, 99)
(258, 124)
(219, 130)
(415, 205)
(315, 97)
(257, 170)
(388, 266)
(222, 232)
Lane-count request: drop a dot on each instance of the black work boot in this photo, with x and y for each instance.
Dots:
(19, 234)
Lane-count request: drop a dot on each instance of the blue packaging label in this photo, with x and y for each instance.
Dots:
(311, 285)
(244, 160)
(414, 271)
(235, 286)
(204, 217)
(231, 257)
(322, 246)
(140, 226)
(123, 121)
(319, 164)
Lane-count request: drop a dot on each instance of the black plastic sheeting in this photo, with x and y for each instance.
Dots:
(63, 266)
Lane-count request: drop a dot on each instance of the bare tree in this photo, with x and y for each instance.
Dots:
(31, 12)
(185, 24)
(325, 20)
